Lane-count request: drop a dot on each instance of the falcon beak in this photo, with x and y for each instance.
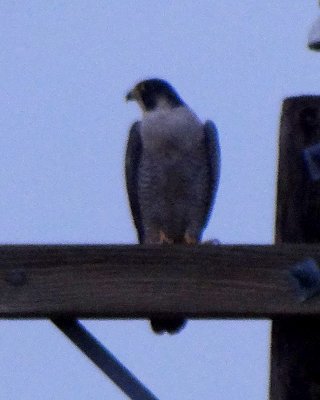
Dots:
(130, 96)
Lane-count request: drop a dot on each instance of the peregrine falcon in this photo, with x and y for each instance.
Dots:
(172, 170)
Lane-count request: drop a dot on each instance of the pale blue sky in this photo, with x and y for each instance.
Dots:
(65, 68)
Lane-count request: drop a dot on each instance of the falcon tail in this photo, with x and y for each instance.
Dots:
(169, 325)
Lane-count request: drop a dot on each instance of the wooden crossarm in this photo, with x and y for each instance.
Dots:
(131, 281)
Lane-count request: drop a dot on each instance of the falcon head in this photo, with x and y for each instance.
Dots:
(154, 93)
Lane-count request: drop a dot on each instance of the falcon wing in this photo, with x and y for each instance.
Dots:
(212, 147)
(132, 162)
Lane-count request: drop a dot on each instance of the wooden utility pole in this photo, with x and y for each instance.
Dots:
(295, 355)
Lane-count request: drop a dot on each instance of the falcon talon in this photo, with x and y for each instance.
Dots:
(306, 279)
(164, 239)
(212, 242)
(190, 240)
(311, 156)
(172, 170)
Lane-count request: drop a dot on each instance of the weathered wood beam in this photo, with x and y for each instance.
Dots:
(105, 281)
(295, 355)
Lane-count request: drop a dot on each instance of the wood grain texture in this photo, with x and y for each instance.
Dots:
(298, 197)
(295, 367)
(140, 281)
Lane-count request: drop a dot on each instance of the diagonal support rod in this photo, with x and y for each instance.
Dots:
(103, 359)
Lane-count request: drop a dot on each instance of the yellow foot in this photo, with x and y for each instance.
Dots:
(190, 239)
(163, 238)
